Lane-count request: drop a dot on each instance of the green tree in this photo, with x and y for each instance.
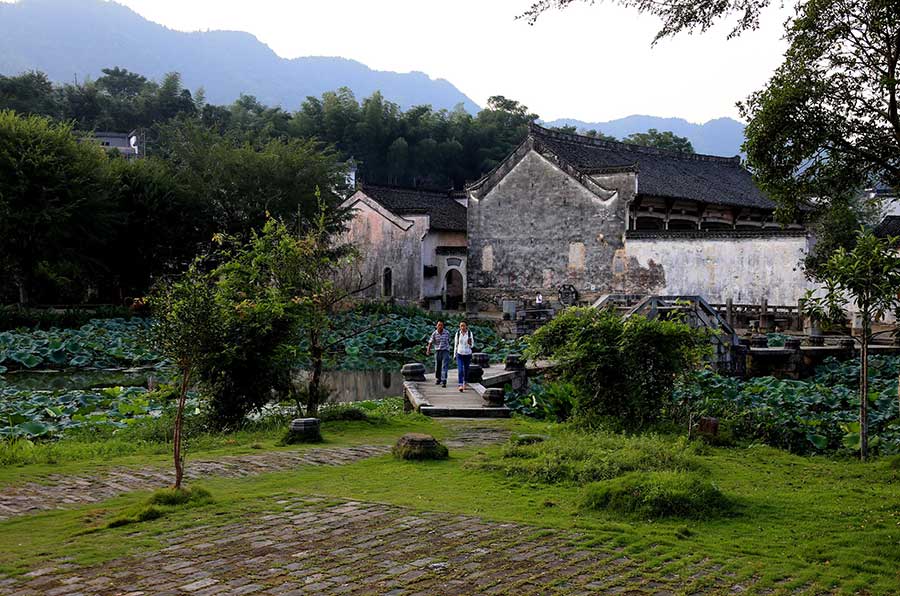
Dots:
(828, 120)
(869, 277)
(187, 329)
(661, 140)
(122, 83)
(623, 369)
(54, 200)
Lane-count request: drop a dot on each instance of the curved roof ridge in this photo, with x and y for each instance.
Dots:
(410, 189)
(586, 140)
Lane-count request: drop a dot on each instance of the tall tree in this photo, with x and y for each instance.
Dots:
(828, 120)
(661, 140)
(54, 202)
(869, 277)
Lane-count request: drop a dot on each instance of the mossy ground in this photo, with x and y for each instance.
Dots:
(816, 523)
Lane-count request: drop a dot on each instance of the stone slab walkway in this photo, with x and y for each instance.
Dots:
(58, 491)
(317, 546)
(63, 491)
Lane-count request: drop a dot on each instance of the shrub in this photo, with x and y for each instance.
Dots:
(588, 457)
(658, 494)
(162, 502)
(624, 369)
(345, 412)
(180, 496)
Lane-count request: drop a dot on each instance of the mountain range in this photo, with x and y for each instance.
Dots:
(75, 39)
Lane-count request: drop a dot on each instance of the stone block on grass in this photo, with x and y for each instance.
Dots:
(304, 430)
(418, 446)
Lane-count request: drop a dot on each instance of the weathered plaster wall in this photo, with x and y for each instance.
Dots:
(743, 269)
(434, 286)
(383, 243)
(538, 227)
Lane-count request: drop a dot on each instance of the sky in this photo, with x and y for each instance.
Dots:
(592, 63)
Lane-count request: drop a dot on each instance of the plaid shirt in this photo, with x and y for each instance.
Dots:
(440, 341)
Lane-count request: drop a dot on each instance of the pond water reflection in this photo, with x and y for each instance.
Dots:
(343, 385)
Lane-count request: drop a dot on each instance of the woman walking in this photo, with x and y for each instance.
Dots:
(463, 342)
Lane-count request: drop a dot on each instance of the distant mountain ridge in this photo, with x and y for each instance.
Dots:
(721, 136)
(70, 39)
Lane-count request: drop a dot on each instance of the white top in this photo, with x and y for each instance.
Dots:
(463, 343)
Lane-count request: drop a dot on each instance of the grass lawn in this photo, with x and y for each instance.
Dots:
(798, 522)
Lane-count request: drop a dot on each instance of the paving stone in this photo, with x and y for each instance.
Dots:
(58, 491)
(337, 557)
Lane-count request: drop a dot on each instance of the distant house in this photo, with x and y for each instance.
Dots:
(127, 144)
(413, 244)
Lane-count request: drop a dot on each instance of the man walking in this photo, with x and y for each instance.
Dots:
(440, 339)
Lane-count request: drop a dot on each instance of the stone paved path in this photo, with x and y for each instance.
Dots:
(314, 546)
(61, 491)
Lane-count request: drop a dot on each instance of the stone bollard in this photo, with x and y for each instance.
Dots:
(816, 340)
(413, 371)
(515, 362)
(476, 374)
(304, 430)
(708, 426)
(792, 343)
(493, 397)
(481, 359)
(759, 341)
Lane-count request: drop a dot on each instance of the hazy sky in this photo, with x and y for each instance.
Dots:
(587, 62)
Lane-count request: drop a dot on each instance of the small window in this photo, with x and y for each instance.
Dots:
(387, 283)
(454, 262)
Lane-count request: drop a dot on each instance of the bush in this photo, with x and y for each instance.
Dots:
(623, 369)
(345, 412)
(588, 457)
(658, 494)
(162, 502)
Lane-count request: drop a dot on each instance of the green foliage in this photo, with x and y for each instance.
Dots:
(624, 369)
(652, 495)
(54, 205)
(581, 457)
(661, 140)
(100, 343)
(17, 317)
(162, 502)
(813, 416)
(43, 414)
(549, 400)
(346, 412)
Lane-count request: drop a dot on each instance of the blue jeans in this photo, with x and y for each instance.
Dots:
(462, 367)
(441, 364)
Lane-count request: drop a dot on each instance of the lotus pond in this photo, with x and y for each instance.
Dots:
(105, 372)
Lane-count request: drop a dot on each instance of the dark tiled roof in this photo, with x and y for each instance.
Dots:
(889, 226)
(440, 206)
(661, 173)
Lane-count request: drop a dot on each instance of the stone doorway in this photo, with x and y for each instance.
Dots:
(453, 289)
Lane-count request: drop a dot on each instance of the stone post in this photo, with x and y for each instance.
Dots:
(493, 397)
(476, 374)
(414, 371)
(729, 311)
(481, 359)
(515, 362)
(764, 316)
